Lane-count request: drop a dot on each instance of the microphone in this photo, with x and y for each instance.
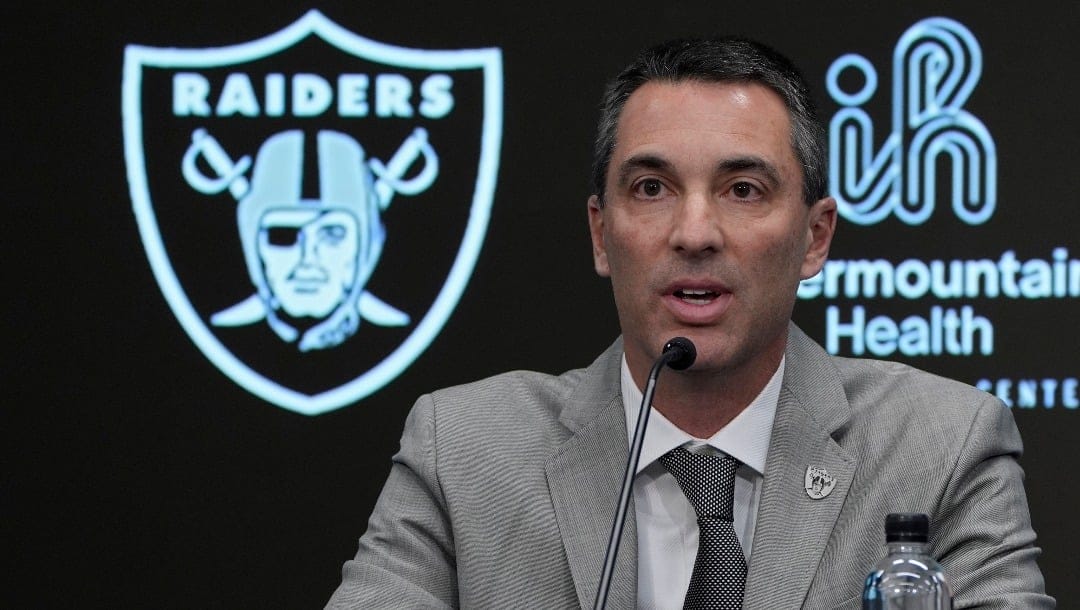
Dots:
(683, 353)
(678, 353)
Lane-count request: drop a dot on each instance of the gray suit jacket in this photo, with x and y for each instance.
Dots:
(503, 492)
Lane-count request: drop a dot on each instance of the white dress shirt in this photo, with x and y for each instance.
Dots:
(667, 531)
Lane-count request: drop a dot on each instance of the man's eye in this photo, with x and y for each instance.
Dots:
(333, 233)
(744, 190)
(650, 187)
(282, 236)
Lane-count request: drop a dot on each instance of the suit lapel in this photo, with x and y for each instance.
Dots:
(584, 478)
(793, 529)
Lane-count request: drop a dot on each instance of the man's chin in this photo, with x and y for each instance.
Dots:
(303, 316)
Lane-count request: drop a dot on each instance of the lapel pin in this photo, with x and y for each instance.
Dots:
(819, 483)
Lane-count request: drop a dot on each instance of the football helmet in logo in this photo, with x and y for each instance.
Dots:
(309, 259)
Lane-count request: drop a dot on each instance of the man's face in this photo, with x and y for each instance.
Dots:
(704, 230)
(309, 258)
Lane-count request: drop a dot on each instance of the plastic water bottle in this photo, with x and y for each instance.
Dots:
(908, 578)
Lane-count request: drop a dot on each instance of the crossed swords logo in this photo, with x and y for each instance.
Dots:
(389, 180)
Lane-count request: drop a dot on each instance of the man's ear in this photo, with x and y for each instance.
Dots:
(596, 231)
(821, 225)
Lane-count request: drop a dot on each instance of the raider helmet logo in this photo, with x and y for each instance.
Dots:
(312, 203)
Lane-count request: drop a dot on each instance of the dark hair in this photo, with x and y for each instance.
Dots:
(718, 60)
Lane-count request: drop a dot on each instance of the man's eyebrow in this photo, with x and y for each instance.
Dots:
(651, 161)
(751, 163)
(637, 162)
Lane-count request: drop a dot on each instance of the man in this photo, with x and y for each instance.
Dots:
(709, 206)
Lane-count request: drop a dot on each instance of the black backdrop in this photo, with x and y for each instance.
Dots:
(137, 474)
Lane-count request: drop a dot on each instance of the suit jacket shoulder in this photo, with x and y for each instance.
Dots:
(500, 496)
(897, 439)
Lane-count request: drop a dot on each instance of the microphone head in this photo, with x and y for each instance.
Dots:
(681, 352)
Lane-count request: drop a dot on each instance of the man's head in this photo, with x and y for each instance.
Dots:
(309, 258)
(702, 216)
(718, 60)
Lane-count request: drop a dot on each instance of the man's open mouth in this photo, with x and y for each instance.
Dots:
(696, 296)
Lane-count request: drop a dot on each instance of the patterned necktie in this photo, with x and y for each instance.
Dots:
(720, 568)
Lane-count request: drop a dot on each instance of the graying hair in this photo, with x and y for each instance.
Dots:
(717, 60)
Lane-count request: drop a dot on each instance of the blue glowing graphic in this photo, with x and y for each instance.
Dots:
(936, 65)
(311, 258)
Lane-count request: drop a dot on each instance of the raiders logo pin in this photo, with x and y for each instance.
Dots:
(818, 483)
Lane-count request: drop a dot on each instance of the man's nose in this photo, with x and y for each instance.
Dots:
(695, 225)
(309, 244)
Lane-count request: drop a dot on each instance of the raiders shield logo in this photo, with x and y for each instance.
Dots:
(312, 203)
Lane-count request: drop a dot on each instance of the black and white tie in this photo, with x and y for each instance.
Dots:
(720, 567)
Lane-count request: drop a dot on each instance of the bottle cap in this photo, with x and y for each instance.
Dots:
(906, 527)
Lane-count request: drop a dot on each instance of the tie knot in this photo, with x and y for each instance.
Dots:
(708, 481)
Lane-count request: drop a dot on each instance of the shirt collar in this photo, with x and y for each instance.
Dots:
(745, 438)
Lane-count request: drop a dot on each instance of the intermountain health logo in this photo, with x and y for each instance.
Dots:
(312, 203)
(936, 65)
(941, 298)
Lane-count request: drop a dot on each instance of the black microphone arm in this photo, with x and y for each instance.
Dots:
(679, 354)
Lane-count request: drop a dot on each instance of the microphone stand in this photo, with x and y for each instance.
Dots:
(679, 353)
